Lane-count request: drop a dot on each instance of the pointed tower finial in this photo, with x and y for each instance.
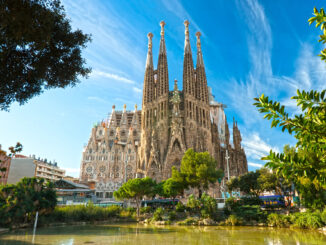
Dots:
(200, 61)
(149, 60)
(162, 24)
(198, 34)
(186, 23)
(175, 84)
(124, 107)
(135, 107)
(187, 42)
(113, 108)
(150, 36)
(162, 42)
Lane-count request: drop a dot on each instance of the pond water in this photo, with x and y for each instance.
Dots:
(140, 234)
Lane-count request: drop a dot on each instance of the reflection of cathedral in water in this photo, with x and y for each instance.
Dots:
(150, 141)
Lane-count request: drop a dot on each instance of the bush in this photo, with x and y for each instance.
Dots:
(252, 200)
(189, 221)
(307, 220)
(231, 203)
(232, 220)
(323, 216)
(193, 204)
(146, 210)
(250, 213)
(278, 220)
(180, 207)
(158, 214)
(172, 216)
(85, 213)
(208, 208)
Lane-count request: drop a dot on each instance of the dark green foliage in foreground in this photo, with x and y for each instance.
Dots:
(205, 207)
(320, 19)
(306, 165)
(19, 203)
(38, 50)
(89, 213)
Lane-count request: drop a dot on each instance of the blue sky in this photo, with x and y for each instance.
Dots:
(249, 46)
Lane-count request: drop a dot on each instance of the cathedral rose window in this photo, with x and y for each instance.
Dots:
(102, 169)
(89, 169)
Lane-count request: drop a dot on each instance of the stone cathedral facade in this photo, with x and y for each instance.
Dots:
(148, 142)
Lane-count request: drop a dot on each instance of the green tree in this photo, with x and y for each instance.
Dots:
(254, 183)
(20, 202)
(320, 19)
(172, 188)
(136, 189)
(38, 50)
(309, 129)
(198, 170)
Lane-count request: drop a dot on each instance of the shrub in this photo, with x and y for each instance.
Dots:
(231, 203)
(307, 220)
(113, 211)
(232, 220)
(278, 220)
(323, 216)
(145, 210)
(172, 215)
(189, 221)
(208, 208)
(180, 207)
(251, 200)
(193, 204)
(158, 214)
(250, 213)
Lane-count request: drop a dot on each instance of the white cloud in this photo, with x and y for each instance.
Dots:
(255, 147)
(256, 165)
(97, 99)
(112, 76)
(136, 90)
(72, 172)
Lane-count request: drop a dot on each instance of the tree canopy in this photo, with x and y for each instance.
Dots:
(38, 50)
(254, 183)
(20, 202)
(136, 189)
(197, 170)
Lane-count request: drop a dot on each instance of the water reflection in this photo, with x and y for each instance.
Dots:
(142, 234)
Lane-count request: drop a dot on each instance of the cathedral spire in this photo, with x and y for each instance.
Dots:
(162, 41)
(162, 85)
(149, 73)
(200, 61)
(201, 81)
(187, 40)
(149, 60)
(188, 65)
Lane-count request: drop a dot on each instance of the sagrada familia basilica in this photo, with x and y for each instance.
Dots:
(148, 142)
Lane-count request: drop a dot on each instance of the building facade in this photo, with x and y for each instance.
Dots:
(149, 142)
(28, 166)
